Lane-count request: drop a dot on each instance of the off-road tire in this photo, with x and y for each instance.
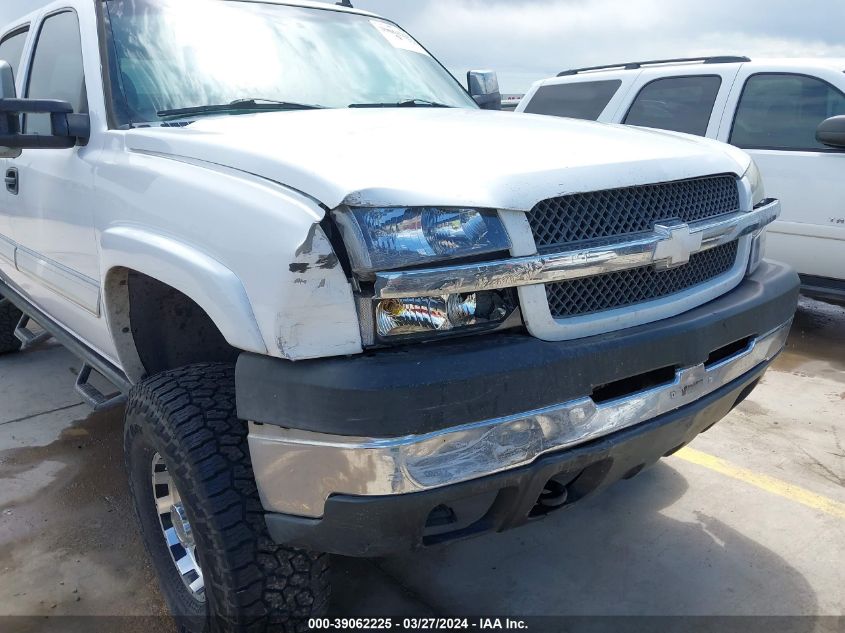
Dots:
(9, 318)
(188, 417)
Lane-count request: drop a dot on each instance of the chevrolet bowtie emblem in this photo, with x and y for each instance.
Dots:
(677, 245)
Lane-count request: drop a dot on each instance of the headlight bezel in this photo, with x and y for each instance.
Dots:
(756, 184)
(758, 196)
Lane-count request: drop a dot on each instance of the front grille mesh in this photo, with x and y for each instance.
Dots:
(589, 295)
(620, 212)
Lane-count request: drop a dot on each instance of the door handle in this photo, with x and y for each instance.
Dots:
(12, 181)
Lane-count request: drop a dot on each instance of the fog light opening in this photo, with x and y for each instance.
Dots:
(440, 517)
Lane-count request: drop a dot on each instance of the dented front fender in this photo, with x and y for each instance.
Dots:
(310, 323)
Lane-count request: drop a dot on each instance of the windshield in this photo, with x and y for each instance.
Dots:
(171, 55)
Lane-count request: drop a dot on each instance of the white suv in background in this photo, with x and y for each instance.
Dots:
(779, 111)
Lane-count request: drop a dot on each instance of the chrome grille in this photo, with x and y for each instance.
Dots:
(619, 212)
(589, 295)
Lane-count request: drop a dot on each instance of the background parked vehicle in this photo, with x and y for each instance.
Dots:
(785, 113)
(511, 101)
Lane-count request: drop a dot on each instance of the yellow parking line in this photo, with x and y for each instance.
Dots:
(764, 482)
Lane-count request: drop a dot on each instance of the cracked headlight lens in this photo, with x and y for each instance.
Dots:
(397, 237)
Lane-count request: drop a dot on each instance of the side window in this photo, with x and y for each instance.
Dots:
(583, 100)
(679, 104)
(11, 49)
(782, 111)
(56, 71)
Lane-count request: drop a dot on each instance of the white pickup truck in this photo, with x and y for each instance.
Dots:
(350, 311)
(788, 114)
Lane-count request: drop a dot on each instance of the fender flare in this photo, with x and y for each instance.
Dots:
(207, 282)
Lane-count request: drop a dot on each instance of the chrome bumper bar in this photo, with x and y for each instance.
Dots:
(297, 471)
(668, 246)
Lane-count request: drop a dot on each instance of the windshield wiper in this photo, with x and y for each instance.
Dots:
(239, 105)
(408, 103)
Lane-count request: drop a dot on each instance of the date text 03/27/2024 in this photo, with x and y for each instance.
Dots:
(417, 624)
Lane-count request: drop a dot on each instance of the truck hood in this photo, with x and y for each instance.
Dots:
(445, 157)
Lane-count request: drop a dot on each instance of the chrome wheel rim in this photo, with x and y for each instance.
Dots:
(176, 529)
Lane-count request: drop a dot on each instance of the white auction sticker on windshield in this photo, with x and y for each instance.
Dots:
(397, 37)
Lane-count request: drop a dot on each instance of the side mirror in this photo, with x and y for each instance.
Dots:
(832, 132)
(484, 88)
(7, 91)
(67, 129)
(7, 81)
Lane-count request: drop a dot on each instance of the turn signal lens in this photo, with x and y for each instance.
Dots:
(431, 315)
(758, 251)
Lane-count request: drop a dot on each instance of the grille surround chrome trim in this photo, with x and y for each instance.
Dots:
(297, 471)
(561, 266)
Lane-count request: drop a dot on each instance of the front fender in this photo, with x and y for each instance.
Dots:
(210, 284)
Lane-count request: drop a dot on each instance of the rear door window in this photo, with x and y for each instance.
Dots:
(11, 49)
(679, 104)
(782, 112)
(582, 100)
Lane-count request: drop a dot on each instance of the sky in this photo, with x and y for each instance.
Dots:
(527, 40)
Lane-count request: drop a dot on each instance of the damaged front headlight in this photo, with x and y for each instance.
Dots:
(390, 238)
(395, 238)
(421, 316)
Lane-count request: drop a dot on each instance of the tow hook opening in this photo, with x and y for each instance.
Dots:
(441, 516)
(729, 351)
(635, 384)
(555, 496)
(458, 518)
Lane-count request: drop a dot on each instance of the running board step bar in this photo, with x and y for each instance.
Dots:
(91, 359)
(27, 337)
(96, 399)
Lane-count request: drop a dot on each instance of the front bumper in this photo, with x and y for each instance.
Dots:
(305, 468)
(519, 400)
(378, 526)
